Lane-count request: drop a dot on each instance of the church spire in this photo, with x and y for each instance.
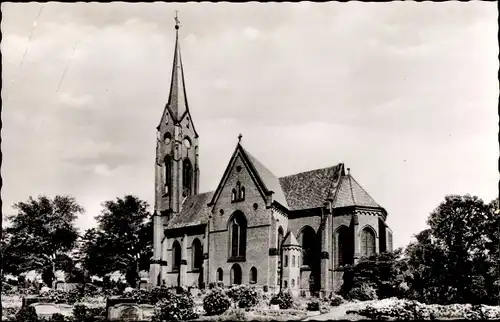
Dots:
(177, 100)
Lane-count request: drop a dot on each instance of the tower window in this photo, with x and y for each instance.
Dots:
(238, 236)
(286, 261)
(187, 177)
(285, 284)
(167, 137)
(220, 274)
(167, 174)
(293, 282)
(293, 261)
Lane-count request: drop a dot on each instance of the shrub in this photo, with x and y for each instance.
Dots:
(139, 296)
(27, 314)
(313, 305)
(336, 300)
(216, 302)
(176, 307)
(235, 315)
(365, 292)
(158, 293)
(265, 288)
(57, 317)
(211, 285)
(245, 296)
(284, 299)
(56, 296)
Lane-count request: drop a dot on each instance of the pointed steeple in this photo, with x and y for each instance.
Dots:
(177, 100)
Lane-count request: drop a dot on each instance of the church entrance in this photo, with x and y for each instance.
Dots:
(236, 274)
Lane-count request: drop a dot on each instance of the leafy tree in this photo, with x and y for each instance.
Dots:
(386, 273)
(456, 259)
(122, 241)
(41, 236)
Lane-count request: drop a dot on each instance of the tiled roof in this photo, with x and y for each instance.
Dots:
(290, 240)
(350, 193)
(310, 189)
(271, 182)
(195, 211)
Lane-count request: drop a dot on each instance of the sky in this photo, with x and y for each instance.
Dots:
(403, 93)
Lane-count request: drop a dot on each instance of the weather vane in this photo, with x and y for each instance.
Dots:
(239, 138)
(177, 22)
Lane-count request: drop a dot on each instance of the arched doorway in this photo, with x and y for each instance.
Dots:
(236, 274)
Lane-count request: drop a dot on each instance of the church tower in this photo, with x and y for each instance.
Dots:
(176, 168)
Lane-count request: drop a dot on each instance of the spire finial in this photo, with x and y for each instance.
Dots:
(177, 22)
(239, 138)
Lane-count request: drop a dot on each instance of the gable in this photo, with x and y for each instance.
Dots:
(239, 165)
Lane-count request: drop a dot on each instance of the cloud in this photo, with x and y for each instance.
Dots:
(411, 107)
(251, 33)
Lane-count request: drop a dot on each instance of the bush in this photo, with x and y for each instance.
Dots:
(158, 293)
(176, 307)
(336, 300)
(216, 302)
(27, 314)
(265, 288)
(211, 285)
(284, 299)
(245, 296)
(313, 305)
(57, 317)
(139, 296)
(365, 292)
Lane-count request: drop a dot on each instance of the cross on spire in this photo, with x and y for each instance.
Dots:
(239, 138)
(177, 22)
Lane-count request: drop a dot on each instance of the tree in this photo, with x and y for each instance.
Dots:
(41, 236)
(122, 241)
(456, 259)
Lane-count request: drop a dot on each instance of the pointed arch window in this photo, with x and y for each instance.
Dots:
(293, 260)
(286, 261)
(238, 236)
(345, 246)
(220, 275)
(253, 275)
(238, 193)
(367, 242)
(167, 174)
(309, 247)
(197, 254)
(176, 256)
(187, 177)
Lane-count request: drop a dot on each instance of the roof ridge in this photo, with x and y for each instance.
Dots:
(294, 174)
(364, 190)
(350, 188)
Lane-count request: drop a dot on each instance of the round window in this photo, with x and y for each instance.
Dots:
(187, 142)
(167, 138)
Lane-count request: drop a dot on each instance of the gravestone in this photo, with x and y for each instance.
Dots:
(45, 310)
(148, 311)
(30, 299)
(65, 309)
(124, 312)
(60, 285)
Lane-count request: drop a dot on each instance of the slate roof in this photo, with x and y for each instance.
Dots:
(290, 240)
(271, 182)
(299, 191)
(350, 193)
(310, 189)
(195, 211)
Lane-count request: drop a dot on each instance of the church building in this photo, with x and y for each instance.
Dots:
(295, 232)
